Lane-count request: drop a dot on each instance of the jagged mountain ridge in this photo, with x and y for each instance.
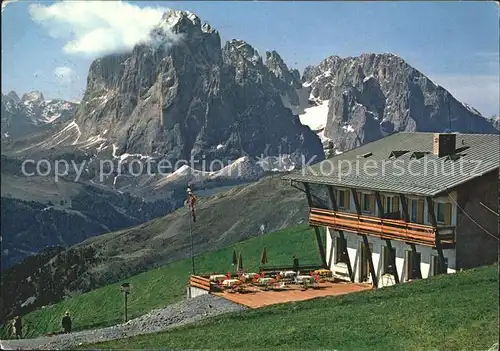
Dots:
(373, 95)
(21, 116)
(227, 102)
(216, 102)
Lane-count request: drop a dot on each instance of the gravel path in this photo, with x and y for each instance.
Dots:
(185, 312)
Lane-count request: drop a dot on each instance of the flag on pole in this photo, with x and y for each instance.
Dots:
(240, 263)
(234, 258)
(191, 202)
(264, 256)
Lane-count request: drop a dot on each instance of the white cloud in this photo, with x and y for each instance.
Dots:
(480, 91)
(95, 28)
(64, 75)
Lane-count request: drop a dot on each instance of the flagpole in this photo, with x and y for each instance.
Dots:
(191, 234)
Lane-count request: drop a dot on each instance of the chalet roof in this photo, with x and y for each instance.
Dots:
(382, 165)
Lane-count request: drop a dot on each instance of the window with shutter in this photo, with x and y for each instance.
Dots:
(372, 203)
(387, 260)
(347, 199)
(395, 203)
(365, 202)
(341, 255)
(447, 213)
(413, 260)
(420, 211)
(440, 212)
(413, 210)
(341, 199)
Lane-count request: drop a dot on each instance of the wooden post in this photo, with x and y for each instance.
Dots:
(404, 206)
(414, 250)
(320, 247)
(372, 269)
(348, 263)
(392, 259)
(316, 229)
(331, 192)
(333, 200)
(380, 205)
(432, 216)
(308, 194)
(356, 202)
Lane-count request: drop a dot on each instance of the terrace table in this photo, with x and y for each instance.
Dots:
(230, 282)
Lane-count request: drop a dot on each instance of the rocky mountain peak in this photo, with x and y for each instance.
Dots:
(23, 116)
(280, 70)
(180, 19)
(373, 95)
(243, 50)
(192, 99)
(35, 97)
(274, 61)
(13, 96)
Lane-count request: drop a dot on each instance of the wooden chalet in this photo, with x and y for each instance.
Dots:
(405, 207)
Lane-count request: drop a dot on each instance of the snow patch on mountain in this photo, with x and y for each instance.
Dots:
(125, 155)
(348, 128)
(316, 116)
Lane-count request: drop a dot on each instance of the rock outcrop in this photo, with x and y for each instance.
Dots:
(22, 116)
(373, 95)
(193, 98)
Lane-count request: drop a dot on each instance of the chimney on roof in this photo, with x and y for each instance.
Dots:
(444, 144)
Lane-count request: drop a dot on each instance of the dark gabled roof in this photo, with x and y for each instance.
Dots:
(417, 172)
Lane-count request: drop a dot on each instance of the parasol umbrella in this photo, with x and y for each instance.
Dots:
(234, 258)
(240, 263)
(264, 256)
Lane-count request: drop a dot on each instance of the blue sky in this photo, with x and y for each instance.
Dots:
(455, 43)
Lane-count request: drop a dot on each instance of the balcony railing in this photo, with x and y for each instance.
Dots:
(384, 228)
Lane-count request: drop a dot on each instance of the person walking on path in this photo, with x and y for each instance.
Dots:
(18, 327)
(66, 323)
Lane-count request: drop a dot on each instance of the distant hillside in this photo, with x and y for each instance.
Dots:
(225, 218)
(164, 285)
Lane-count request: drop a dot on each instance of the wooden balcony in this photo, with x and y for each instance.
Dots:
(384, 228)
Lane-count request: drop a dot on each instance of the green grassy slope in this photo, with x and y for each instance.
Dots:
(453, 312)
(222, 219)
(164, 285)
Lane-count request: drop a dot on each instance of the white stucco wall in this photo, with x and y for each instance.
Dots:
(353, 241)
(194, 292)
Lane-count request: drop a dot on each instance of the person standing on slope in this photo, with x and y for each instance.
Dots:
(18, 327)
(66, 323)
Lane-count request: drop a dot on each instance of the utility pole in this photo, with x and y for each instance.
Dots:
(192, 243)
